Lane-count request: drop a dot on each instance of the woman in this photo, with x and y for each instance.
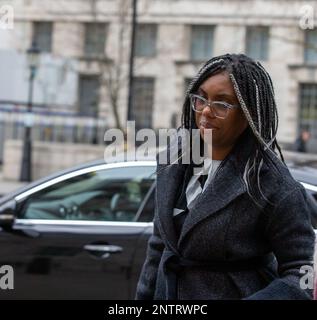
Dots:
(246, 232)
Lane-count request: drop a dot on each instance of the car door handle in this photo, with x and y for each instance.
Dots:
(102, 248)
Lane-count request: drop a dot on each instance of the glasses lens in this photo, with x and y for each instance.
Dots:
(197, 103)
(221, 110)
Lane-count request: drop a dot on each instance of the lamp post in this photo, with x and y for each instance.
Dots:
(131, 60)
(33, 56)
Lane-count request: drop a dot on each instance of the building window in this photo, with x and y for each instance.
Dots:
(311, 46)
(257, 42)
(95, 39)
(89, 95)
(145, 41)
(42, 35)
(201, 47)
(308, 108)
(142, 103)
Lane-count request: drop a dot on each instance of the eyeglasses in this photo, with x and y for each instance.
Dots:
(218, 108)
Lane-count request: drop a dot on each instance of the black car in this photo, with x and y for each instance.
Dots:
(82, 233)
(306, 174)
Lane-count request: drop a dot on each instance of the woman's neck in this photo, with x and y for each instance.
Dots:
(218, 153)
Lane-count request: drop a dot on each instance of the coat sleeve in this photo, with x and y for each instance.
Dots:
(147, 280)
(292, 239)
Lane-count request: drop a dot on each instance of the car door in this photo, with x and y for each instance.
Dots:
(145, 215)
(75, 237)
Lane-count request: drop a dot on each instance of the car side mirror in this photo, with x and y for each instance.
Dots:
(7, 214)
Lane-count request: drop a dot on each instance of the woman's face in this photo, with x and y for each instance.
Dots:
(224, 131)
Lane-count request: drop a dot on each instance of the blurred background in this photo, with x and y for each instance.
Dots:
(71, 69)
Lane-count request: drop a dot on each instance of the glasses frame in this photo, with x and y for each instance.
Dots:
(209, 104)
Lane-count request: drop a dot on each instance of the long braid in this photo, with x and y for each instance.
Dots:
(258, 106)
(273, 108)
(253, 166)
(246, 110)
(268, 115)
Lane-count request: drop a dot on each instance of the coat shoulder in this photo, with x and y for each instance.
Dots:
(277, 181)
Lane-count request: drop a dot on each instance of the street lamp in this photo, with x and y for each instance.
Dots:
(130, 115)
(33, 58)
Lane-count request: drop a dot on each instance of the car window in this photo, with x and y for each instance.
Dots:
(147, 209)
(103, 195)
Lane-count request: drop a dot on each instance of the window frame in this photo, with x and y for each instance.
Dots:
(139, 39)
(35, 34)
(308, 49)
(81, 108)
(253, 28)
(139, 108)
(22, 197)
(208, 56)
(87, 50)
(303, 88)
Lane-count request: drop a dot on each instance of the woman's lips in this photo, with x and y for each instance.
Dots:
(207, 125)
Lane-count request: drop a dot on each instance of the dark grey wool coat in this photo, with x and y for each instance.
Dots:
(225, 225)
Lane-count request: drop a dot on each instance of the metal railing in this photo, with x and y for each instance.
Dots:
(50, 126)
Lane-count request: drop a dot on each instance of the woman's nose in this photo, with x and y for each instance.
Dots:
(208, 112)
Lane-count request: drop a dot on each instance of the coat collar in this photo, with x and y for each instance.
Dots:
(226, 186)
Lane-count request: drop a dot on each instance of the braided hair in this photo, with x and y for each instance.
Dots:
(254, 89)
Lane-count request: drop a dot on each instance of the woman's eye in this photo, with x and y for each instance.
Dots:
(226, 103)
(221, 105)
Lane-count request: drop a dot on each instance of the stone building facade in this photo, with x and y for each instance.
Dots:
(173, 39)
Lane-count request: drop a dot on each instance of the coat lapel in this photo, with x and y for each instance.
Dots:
(227, 186)
(215, 197)
(168, 182)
